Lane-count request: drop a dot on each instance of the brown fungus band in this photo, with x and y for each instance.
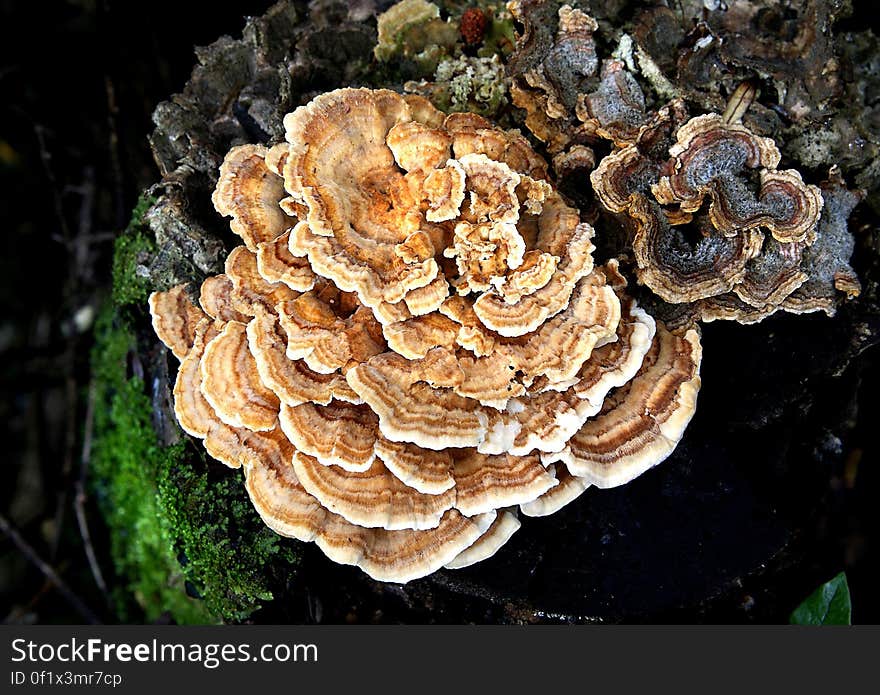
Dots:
(413, 344)
(717, 229)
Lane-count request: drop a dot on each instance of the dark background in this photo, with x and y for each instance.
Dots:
(78, 82)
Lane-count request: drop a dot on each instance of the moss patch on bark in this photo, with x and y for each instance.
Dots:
(186, 543)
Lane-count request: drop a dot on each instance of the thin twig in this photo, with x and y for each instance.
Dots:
(739, 102)
(80, 500)
(48, 571)
(91, 239)
(79, 506)
(83, 270)
(113, 145)
(68, 360)
(46, 160)
(19, 612)
(80, 274)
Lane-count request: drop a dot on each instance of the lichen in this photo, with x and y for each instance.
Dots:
(467, 84)
(182, 544)
(413, 29)
(654, 75)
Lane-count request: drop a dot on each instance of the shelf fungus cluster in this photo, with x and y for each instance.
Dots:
(571, 97)
(716, 228)
(719, 229)
(413, 346)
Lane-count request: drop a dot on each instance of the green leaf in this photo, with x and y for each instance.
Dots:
(827, 605)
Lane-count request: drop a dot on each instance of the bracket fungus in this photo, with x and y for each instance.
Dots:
(413, 342)
(555, 61)
(717, 228)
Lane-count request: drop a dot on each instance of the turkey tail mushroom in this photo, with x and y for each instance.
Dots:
(413, 340)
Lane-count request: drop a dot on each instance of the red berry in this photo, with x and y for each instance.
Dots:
(473, 25)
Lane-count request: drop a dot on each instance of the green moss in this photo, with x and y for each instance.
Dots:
(229, 554)
(126, 460)
(133, 244)
(184, 538)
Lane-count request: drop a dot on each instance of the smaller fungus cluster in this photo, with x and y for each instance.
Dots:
(413, 343)
(570, 96)
(716, 226)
